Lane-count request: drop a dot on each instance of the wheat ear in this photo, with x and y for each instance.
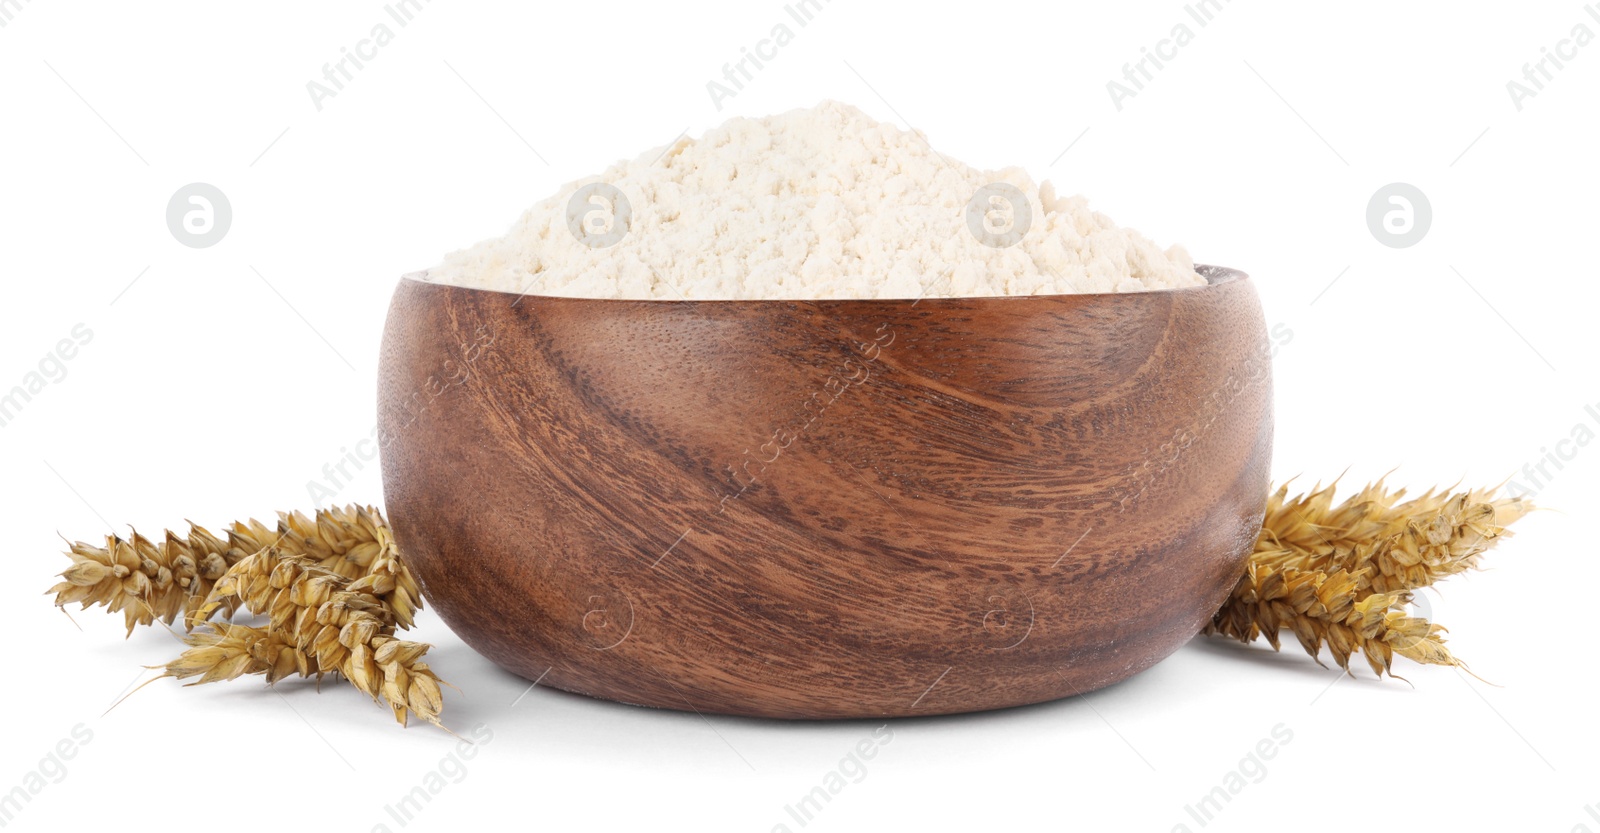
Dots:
(332, 627)
(354, 542)
(146, 580)
(1342, 574)
(149, 581)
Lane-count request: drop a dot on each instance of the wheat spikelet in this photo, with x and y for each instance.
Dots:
(1442, 537)
(1383, 626)
(329, 623)
(354, 542)
(1403, 545)
(1327, 609)
(333, 586)
(381, 666)
(231, 651)
(147, 581)
(1341, 574)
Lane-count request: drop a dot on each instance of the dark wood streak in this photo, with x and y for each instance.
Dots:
(913, 525)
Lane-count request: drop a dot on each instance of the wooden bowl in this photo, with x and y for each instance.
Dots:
(827, 509)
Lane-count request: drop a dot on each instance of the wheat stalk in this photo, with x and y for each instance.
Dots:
(149, 581)
(319, 622)
(1342, 574)
(230, 651)
(1401, 545)
(355, 542)
(333, 586)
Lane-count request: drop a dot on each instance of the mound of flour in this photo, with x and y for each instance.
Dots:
(811, 204)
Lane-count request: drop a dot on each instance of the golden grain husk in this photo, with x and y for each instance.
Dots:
(1342, 575)
(1395, 544)
(146, 580)
(333, 586)
(354, 542)
(319, 622)
(229, 651)
(168, 580)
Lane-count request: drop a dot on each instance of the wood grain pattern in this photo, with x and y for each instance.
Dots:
(827, 509)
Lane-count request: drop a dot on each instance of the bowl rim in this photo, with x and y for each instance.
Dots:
(1216, 276)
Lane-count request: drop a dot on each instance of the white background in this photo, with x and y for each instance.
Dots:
(219, 381)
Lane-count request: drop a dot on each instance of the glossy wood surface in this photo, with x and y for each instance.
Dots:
(826, 509)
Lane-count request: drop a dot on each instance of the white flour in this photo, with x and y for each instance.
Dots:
(809, 204)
